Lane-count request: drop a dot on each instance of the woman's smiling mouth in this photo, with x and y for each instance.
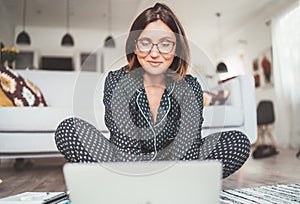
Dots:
(154, 63)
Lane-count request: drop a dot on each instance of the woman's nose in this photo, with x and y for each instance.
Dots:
(154, 51)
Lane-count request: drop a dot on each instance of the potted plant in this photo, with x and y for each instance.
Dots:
(9, 55)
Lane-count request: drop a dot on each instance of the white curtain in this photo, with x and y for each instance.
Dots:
(286, 68)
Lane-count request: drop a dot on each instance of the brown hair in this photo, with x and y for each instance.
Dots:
(165, 14)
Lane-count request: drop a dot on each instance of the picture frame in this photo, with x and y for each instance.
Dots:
(263, 69)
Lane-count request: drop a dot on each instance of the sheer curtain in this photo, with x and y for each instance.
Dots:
(286, 67)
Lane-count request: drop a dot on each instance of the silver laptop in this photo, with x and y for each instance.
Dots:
(159, 182)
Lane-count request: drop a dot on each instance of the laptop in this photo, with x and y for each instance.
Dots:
(159, 182)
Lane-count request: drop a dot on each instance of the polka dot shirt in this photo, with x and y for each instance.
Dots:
(177, 131)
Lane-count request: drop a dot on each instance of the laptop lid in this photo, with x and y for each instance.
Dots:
(159, 182)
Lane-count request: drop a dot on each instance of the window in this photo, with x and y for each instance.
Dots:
(57, 63)
(24, 60)
(88, 62)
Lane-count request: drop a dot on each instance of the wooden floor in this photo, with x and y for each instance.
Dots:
(46, 174)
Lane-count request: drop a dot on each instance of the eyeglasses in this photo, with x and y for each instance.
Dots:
(145, 45)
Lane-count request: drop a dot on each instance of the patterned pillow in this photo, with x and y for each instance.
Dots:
(17, 91)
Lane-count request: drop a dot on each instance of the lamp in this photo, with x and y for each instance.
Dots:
(221, 67)
(67, 39)
(109, 41)
(23, 37)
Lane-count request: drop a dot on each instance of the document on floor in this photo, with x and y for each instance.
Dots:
(37, 198)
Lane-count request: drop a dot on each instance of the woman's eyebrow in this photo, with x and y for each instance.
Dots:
(159, 39)
(167, 38)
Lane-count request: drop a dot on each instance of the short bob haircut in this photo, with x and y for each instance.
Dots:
(164, 13)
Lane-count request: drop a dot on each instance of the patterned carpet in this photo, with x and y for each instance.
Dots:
(276, 194)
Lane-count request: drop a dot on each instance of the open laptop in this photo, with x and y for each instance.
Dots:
(159, 182)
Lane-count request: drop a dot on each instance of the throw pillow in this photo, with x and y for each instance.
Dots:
(4, 100)
(219, 98)
(17, 91)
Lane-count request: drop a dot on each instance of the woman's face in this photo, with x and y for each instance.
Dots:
(157, 60)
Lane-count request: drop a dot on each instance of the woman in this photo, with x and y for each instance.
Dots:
(153, 109)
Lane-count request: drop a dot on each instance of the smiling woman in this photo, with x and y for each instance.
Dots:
(153, 109)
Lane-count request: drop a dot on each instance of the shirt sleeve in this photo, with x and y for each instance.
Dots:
(186, 145)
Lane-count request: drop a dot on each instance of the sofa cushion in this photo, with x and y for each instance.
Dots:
(45, 119)
(35, 119)
(222, 116)
(18, 90)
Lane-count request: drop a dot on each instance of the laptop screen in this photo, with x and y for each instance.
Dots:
(144, 182)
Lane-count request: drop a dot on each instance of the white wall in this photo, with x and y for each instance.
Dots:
(7, 27)
(256, 40)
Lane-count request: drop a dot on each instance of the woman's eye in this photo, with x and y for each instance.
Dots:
(166, 44)
(145, 43)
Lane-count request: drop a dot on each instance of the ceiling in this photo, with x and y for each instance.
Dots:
(85, 14)
(93, 14)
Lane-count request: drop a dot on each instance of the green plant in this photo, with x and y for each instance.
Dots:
(9, 54)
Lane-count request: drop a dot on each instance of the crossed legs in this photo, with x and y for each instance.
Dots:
(79, 141)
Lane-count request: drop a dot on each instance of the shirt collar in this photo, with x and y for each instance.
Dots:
(135, 79)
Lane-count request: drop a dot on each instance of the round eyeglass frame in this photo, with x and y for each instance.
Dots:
(136, 42)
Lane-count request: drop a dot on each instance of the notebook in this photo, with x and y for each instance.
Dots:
(159, 182)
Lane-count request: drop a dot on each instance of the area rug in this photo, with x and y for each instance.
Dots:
(266, 194)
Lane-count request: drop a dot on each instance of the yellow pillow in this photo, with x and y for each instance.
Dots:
(4, 100)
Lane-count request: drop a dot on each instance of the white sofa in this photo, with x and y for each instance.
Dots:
(29, 131)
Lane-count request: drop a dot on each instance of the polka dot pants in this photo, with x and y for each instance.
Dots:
(79, 141)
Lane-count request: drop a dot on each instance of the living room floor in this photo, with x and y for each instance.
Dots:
(46, 174)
